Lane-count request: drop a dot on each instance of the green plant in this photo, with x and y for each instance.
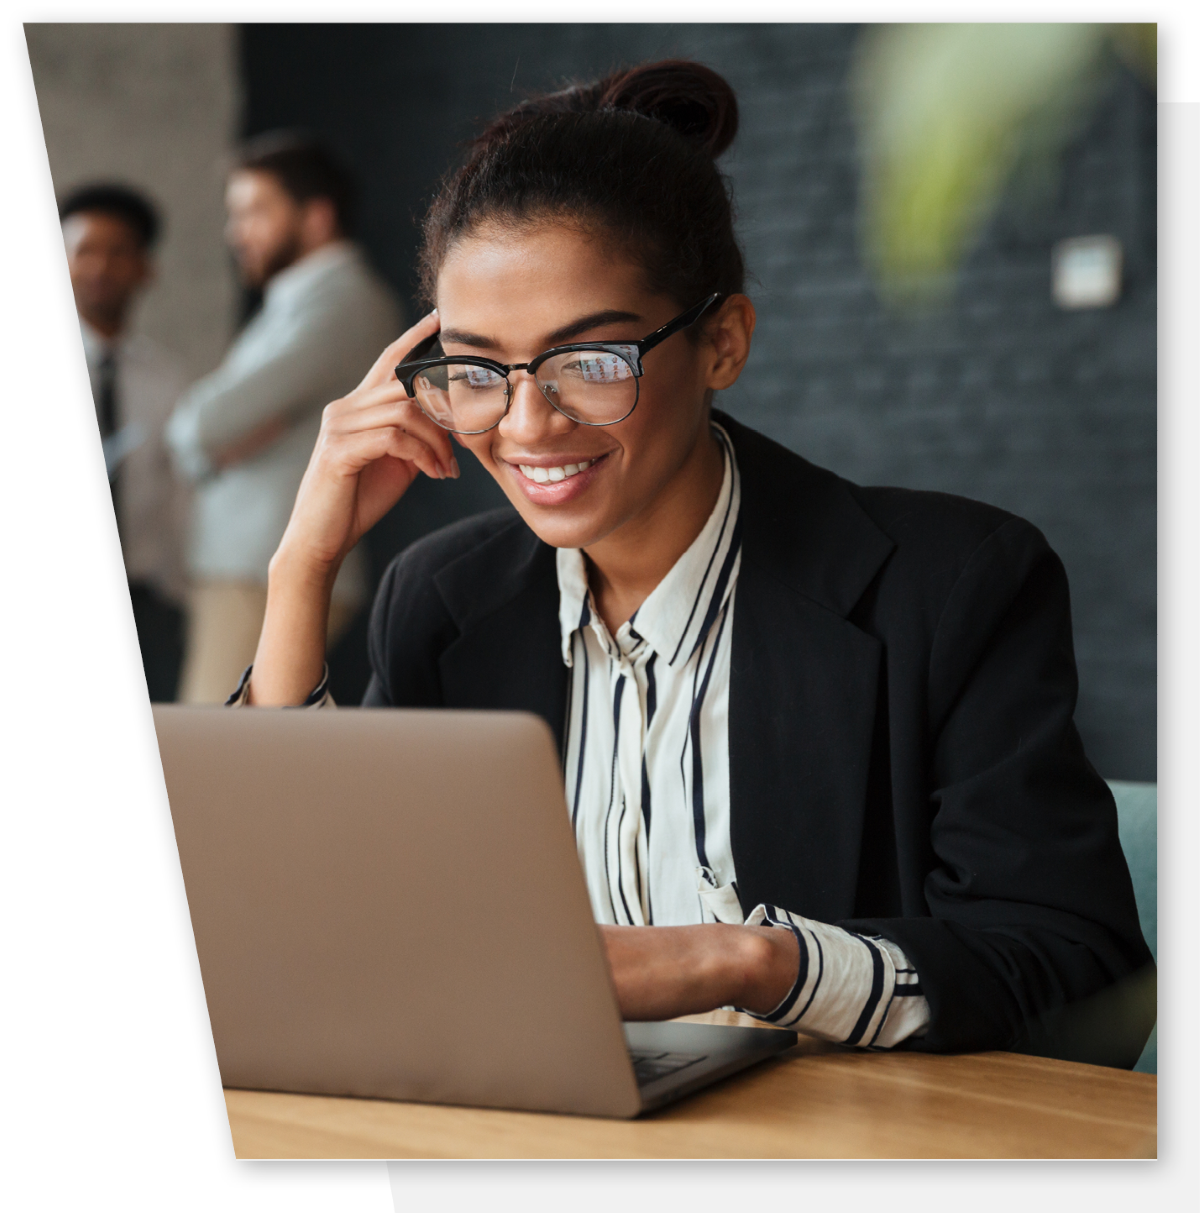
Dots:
(949, 116)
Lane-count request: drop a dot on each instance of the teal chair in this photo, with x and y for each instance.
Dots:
(1137, 821)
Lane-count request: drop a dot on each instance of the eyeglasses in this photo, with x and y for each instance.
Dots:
(592, 382)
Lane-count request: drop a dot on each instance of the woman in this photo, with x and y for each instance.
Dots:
(817, 739)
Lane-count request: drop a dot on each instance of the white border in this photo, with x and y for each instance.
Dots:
(1179, 644)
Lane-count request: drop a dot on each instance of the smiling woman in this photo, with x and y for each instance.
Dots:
(817, 738)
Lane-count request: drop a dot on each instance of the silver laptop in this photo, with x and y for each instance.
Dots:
(388, 904)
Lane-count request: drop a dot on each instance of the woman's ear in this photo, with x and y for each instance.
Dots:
(728, 335)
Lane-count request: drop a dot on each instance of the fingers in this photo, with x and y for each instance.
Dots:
(382, 401)
(359, 449)
(378, 419)
(385, 406)
(403, 443)
(385, 365)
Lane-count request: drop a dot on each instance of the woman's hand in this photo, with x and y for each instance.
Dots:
(372, 444)
(662, 972)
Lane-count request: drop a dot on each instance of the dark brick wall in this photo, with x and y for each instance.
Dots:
(1002, 397)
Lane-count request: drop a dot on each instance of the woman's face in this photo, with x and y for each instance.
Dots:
(509, 295)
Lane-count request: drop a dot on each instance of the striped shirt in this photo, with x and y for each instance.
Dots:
(647, 782)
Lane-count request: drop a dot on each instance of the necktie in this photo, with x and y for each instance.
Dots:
(106, 413)
(106, 395)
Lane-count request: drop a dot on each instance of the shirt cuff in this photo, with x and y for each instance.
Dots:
(189, 457)
(319, 698)
(853, 989)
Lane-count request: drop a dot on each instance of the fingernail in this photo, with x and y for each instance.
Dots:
(434, 312)
(454, 468)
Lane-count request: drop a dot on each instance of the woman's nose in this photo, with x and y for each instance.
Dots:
(531, 418)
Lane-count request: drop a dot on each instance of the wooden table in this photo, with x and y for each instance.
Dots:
(814, 1101)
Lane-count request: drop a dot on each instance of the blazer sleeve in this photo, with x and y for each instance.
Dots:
(1033, 940)
(409, 628)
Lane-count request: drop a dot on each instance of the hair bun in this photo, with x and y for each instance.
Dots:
(632, 155)
(688, 97)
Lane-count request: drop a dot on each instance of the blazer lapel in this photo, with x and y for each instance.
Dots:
(803, 683)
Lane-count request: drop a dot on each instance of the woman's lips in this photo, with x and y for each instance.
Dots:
(553, 484)
(546, 475)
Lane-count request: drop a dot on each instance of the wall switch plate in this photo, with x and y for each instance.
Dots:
(1086, 271)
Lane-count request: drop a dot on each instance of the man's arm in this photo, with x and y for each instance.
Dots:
(287, 368)
(251, 444)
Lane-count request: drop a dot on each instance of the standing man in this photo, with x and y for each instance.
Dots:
(109, 231)
(244, 433)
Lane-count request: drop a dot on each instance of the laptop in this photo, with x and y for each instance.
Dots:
(389, 904)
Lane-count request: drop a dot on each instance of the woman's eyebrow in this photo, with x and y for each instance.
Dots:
(459, 337)
(558, 337)
(586, 323)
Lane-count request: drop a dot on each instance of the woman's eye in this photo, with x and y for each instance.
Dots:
(475, 377)
(601, 368)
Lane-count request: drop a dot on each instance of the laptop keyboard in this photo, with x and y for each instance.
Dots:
(648, 1067)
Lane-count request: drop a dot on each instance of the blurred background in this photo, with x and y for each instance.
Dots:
(950, 230)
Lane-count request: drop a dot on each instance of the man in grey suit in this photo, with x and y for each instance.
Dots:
(244, 433)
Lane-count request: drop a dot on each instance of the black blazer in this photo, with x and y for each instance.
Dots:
(903, 758)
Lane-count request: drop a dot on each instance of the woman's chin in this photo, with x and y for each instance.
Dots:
(562, 513)
(559, 531)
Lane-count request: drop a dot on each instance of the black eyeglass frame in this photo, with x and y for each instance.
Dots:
(631, 351)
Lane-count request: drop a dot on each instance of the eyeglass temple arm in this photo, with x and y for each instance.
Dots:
(680, 322)
(406, 370)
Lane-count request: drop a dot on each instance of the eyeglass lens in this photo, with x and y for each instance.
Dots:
(594, 387)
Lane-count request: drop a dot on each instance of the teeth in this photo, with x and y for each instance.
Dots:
(553, 475)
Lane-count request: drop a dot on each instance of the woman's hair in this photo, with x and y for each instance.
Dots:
(631, 156)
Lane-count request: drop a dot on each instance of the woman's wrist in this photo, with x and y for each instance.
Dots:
(290, 659)
(769, 961)
(296, 569)
(750, 967)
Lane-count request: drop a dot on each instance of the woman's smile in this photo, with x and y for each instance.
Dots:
(551, 480)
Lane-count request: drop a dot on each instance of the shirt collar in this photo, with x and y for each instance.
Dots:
(95, 347)
(683, 606)
(301, 275)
